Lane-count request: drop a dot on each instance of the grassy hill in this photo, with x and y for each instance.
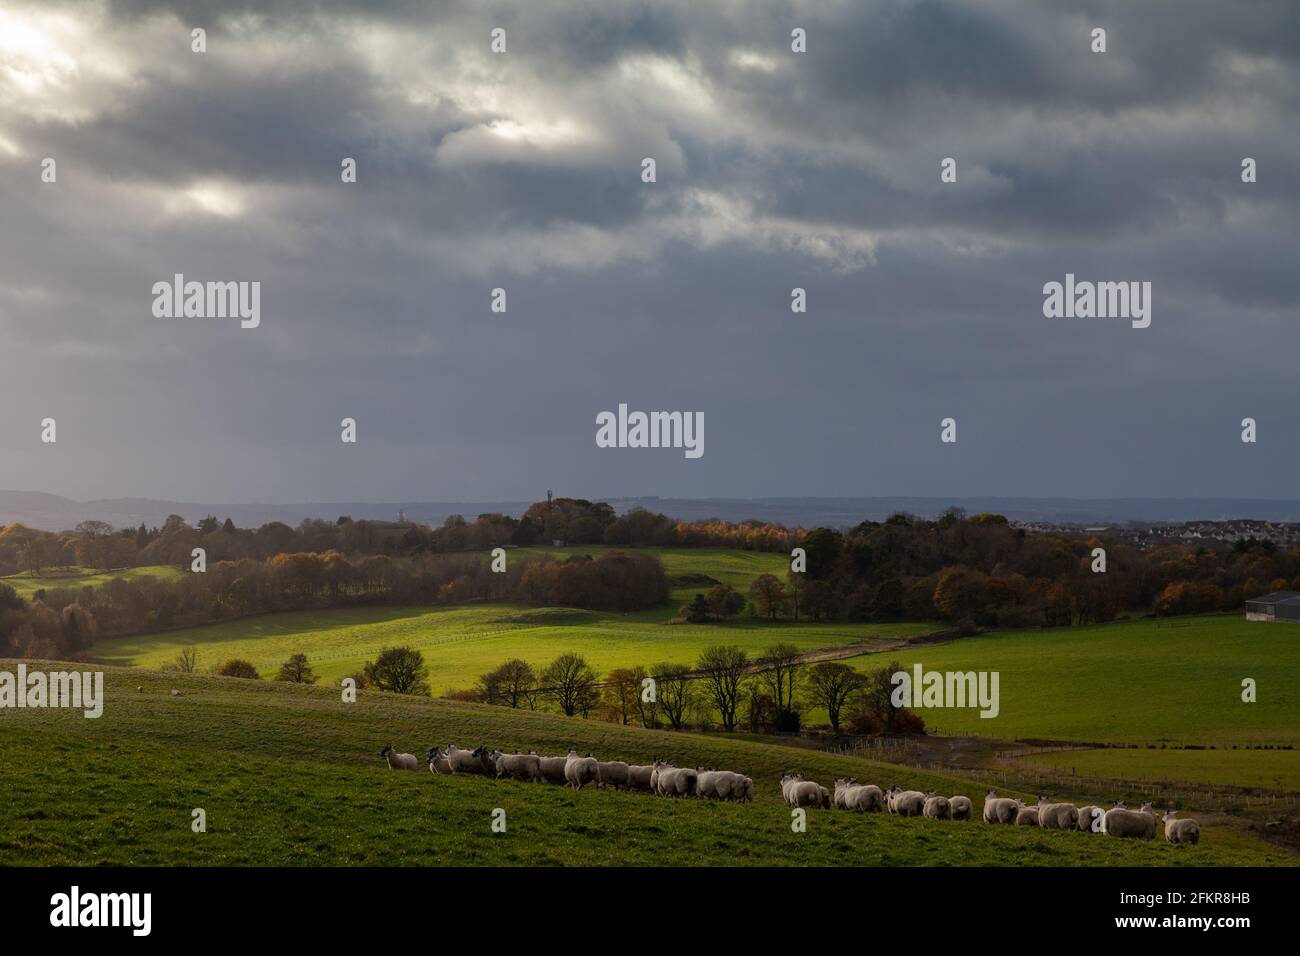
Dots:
(27, 584)
(290, 775)
(1138, 681)
(460, 643)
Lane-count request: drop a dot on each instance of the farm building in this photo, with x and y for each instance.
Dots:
(1278, 606)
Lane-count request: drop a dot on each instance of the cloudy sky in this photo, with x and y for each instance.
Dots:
(775, 169)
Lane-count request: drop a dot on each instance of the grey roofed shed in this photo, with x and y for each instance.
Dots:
(1277, 606)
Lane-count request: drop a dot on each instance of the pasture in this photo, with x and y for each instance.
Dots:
(460, 643)
(1272, 770)
(1130, 682)
(27, 584)
(289, 775)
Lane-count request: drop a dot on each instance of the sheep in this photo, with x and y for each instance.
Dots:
(905, 803)
(398, 761)
(1026, 816)
(1119, 822)
(867, 799)
(961, 807)
(670, 781)
(1089, 815)
(470, 761)
(517, 766)
(842, 788)
(1181, 831)
(139, 689)
(612, 773)
(438, 762)
(553, 769)
(1057, 816)
(936, 807)
(175, 692)
(579, 770)
(638, 777)
(1000, 809)
(799, 792)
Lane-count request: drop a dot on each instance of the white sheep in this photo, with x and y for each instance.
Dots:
(579, 770)
(1057, 816)
(670, 781)
(936, 807)
(553, 769)
(1087, 816)
(1026, 816)
(1140, 824)
(1000, 809)
(438, 762)
(612, 773)
(398, 761)
(517, 766)
(905, 803)
(799, 792)
(961, 807)
(469, 761)
(842, 788)
(1181, 831)
(639, 777)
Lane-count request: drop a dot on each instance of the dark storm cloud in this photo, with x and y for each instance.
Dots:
(775, 170)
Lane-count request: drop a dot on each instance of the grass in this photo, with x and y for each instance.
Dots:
(1265, 769)
(290, 775)
(1128, 682)
(460, 643)
(27, 584)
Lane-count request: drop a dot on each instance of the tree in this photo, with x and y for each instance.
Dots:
(647, 710)
(779, 673)
(832, 685)
(768, 594)
(723, 668)
(79, 628)
(508, 684)
(698, 611)
(235, 667)
(570, 682)
(187, 661)
(296, 670)
(618, 698)
(400, 670)
(960, 594)
(674, 692)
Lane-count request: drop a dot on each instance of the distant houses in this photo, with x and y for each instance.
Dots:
(1278, 606)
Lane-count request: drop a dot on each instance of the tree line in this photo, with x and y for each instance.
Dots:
(725, 688)
(64, 622)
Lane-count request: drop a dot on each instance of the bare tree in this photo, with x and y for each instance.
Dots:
(723, 668)
(832, 685)
(674, 691)
(570, 682)
(779, 673)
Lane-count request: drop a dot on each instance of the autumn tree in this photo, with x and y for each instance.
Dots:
(768, 595)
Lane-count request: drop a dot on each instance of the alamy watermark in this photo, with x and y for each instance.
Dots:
(179, 299)
(923, 688)
(74, 908)
(76, 690)
(1101, 300)
(651, 430)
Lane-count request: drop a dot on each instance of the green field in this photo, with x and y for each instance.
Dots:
(27, 584)
(1266, 769)
(290, 775)
(1130, 682)
(725, 565)
(460, 643)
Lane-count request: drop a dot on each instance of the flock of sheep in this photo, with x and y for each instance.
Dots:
(664, 779)
(576, 771)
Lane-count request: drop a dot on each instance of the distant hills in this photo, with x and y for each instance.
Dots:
(55, 513)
